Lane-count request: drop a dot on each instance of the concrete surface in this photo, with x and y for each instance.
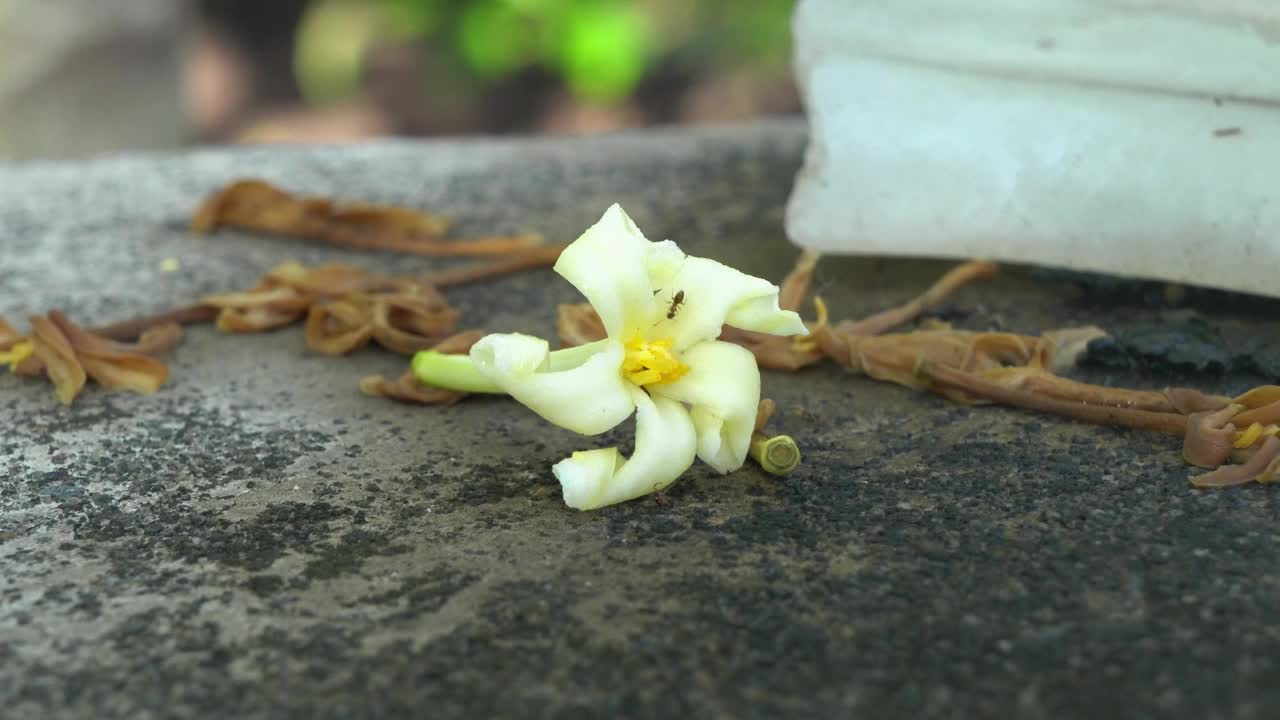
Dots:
(260, 540)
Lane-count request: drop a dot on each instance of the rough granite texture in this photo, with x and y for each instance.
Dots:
(261, 540)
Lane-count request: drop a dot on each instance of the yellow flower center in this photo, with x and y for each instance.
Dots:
(650, 363)
(16, 354)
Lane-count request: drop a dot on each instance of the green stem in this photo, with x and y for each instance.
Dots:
(778, 455)
(451, 372)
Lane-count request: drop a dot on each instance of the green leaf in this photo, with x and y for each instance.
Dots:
(603, 50)
(494, 38)
(330, 47)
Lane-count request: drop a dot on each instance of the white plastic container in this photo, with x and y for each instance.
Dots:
(1134, 137)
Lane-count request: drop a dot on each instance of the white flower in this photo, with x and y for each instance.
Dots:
(693, 395)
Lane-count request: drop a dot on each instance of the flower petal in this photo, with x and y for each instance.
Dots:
(588, 398)
(723, 386)
(710, 296)
(607, 265)
(665, 447)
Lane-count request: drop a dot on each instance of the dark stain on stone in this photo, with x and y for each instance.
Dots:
(420, 595)
(264, 585)
(1180, 343)
(349, 553)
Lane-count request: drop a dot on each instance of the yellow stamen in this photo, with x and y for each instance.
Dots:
(18, 353)
(1249, 436)
(651, 363)
(806, 343)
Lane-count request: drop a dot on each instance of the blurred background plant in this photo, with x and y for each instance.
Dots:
(332, 70)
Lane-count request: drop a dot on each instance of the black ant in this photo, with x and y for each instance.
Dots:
(675, 305)
(661, 498)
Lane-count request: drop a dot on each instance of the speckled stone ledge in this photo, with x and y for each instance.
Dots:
(259, 540)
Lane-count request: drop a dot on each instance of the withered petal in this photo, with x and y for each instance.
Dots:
(1260, 465)
(337, 328)
(138, 373)
(60, 362)
(795, 286)
(155, 341)
(251, 320)
(384, 217)
(280, 299)
(8, 335)
(1259, 396)
(407, 389)
(1210, 437)
(406, 325)
(1188, 401)
(1266, 414)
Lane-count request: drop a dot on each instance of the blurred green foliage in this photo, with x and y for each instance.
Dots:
(600, 49)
